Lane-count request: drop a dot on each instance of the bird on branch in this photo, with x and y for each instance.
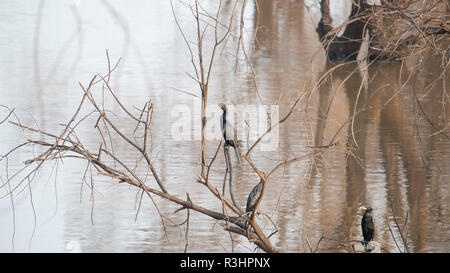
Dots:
(229, 132)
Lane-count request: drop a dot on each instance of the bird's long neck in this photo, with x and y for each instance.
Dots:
(224, 117)
(224, 121)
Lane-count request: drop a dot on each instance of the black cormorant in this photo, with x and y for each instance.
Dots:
(367, 225)
(229, 132)
(253, 198)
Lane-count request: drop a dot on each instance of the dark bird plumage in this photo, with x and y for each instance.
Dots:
(229, 133)
(253, 197)
(367, 225)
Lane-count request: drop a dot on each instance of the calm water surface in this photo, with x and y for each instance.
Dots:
(388, 152)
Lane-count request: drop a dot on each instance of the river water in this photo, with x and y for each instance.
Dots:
(390, 151)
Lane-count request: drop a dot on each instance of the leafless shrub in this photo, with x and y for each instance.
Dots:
(105, 162)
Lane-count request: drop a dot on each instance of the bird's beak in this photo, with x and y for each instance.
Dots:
(362, 208)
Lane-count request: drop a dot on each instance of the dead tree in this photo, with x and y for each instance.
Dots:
(55, 147)
(396, 29)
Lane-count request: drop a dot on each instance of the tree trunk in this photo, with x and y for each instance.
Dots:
(345, 47)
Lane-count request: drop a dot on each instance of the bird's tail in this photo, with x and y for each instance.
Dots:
(250, 215)
(367, 246)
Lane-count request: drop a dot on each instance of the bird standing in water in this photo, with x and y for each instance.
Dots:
(229, 133)
(367, 226)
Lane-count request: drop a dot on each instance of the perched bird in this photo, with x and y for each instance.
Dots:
(229, 133)
(253, 198)
(367, 225)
